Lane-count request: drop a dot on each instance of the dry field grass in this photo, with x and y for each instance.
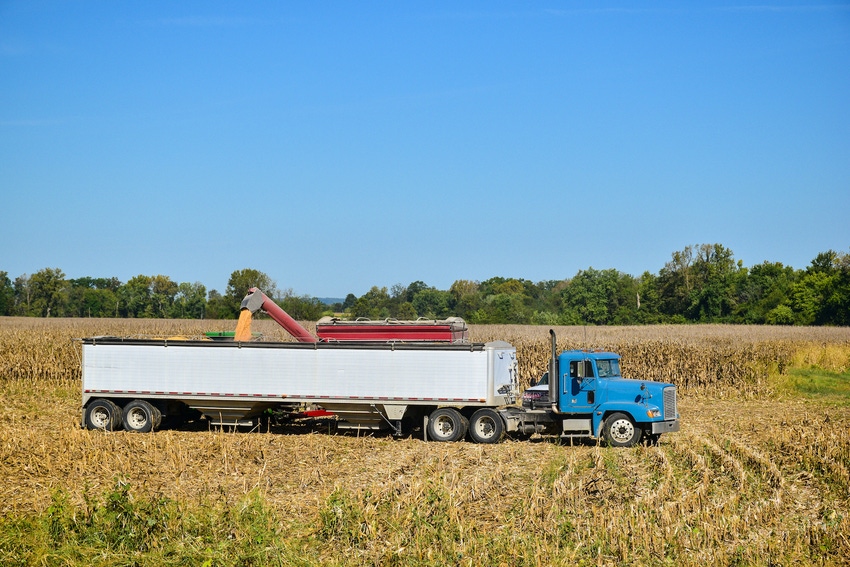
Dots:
(756, 478)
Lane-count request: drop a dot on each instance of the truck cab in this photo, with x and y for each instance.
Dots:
(597, 399)
(588, 397)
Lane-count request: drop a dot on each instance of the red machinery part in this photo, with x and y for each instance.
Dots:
(256, 300)
(452, 330)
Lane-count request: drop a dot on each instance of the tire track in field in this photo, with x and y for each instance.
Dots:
(705, 492)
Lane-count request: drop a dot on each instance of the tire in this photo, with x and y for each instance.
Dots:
(486, 426)
(446, 424)
(157, 415)
(620, 431)
(103, 414)
(141, 417)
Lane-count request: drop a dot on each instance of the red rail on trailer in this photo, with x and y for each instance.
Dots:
(452, 330)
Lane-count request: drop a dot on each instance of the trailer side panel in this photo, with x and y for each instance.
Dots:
(163, 369)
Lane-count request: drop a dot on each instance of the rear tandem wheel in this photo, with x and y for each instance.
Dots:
(103, 414)
(141, 417)
(447, 424)
(486, 426)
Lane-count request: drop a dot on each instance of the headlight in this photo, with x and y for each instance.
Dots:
(653, 413)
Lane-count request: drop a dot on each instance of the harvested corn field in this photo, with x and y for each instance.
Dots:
(762, 480)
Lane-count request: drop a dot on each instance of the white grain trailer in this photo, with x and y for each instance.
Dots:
(133, 383)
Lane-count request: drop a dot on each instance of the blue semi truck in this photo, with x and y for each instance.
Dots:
(588, 397)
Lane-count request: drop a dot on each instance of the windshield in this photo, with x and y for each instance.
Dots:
(608, 368)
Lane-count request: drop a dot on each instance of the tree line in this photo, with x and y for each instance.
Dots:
(700, 284)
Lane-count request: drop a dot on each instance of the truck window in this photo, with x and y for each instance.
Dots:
(608, 368)
(574, 368)
(544, 381)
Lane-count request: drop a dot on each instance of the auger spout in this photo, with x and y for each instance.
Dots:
(257, 300)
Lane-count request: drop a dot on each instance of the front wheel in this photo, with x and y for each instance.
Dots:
(620, 431)
(446, 424)
(486, 426)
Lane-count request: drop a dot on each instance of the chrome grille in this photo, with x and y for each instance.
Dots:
(670, 409)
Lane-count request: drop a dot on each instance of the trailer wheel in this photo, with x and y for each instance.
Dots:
(620, 431)
(141, 417)
(446, 424)
(103, 414)
(486, 426)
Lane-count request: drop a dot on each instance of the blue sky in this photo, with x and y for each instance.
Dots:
(341, 145)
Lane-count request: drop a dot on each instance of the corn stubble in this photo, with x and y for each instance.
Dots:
(752, 478)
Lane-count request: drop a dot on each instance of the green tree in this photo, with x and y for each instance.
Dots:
(134, 297)
(504, 308)
(190, 301)
(647, 300)
(49, 293)
(600, 297)
(413, 288)
(761, 290)
(675, 283)
(699, 284)
(374, 304)
(23, 295)
(398, 296)
(7, 294)
(93, 297)
(218, 307)
(237, 288)
(715, 277)
(432, 303)
(503, 300)
(780, 315)
(303, 308)
(465, 297)
(545, 295)
(836, 309)
(406, 312)
(86, 300)
(163, 290)
(806, 297)
(821, 296)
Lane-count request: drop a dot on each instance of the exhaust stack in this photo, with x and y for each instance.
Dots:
(554, 371)
(256, 300)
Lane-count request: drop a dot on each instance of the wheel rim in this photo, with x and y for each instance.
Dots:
(485, 427)
(100, 417)
(622, 430)
(444, 426)
(137, 418)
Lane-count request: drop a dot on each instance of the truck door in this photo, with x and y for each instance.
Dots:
(579, 387)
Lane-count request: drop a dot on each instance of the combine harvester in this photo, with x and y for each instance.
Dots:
(385, 375)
